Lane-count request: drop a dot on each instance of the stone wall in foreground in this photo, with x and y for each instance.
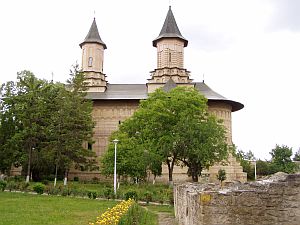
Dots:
(274, 201)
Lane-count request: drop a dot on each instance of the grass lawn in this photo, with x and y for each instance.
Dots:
(27, 209)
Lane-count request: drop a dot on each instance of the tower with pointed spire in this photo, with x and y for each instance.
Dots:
(92, 60)
(170, 46)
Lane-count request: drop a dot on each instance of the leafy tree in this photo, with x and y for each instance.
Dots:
(281, 159)
(26, 106)
(44, 125)
(221, 175)
(175, 128)
(72, 125)
(297, 155)
(132, 158)
(9, 154)
(245, 161)
(264, 168)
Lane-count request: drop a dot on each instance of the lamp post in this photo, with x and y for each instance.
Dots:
(115, 166)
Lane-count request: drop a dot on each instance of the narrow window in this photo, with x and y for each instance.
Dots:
(170, 57)
(90, 61)
(90, 146)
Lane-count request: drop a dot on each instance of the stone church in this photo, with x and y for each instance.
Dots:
(113, 103)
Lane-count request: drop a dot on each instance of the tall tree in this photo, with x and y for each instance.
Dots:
(281, 159)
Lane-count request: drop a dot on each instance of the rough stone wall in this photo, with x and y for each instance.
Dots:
(274, 201)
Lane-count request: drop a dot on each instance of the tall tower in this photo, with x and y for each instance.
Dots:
(92, 60)
(170, 56)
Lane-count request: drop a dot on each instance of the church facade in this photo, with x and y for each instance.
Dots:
(113, 103)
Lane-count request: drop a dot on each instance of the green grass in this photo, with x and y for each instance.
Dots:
(161, 208)
(139, 215)
(26, 209)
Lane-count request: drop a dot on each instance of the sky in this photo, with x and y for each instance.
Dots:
(246, 50)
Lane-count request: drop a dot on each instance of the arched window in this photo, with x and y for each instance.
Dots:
(90, 61)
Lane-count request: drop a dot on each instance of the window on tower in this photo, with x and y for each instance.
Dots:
(90, 61)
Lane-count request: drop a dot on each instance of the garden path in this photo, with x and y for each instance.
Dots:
(166, 219)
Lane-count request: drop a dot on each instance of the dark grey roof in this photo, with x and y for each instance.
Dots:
(169, 85)
(170, 29)
(93, 36)
(214, 96)
(121, 91)
(139, 91)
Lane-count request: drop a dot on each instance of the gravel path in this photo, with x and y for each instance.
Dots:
(165, 219)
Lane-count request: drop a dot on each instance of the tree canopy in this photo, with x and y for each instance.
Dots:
(44, 125)
(281, 159)
(174, 128)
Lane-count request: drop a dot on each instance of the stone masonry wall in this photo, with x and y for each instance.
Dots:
(275, 201)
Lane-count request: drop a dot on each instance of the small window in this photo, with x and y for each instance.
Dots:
(170, 57)
(90, 146)
(90, 61)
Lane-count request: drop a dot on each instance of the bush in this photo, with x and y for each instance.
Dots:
(148, 196)
(2, 185)
(92, 194)
(23, 186)
(12, 185)
(39, 188)
(46, 182)
(76, 179)
(131, 194)
(109, 193)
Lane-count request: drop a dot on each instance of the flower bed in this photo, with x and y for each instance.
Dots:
(112, 216)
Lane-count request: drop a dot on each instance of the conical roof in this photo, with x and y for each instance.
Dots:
(93, 36)
(170, 29)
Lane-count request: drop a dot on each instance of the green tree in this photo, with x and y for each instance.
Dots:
(44, 125)
(281, 159)
(245, 161)
(72, 125)
(297, 155)
(9, 153)
(175, 128)
(221, 175)
(264, 168)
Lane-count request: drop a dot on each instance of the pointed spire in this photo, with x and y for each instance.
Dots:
(170, 29)
(93, 36)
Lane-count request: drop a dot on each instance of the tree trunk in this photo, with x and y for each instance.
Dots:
(66, 178)
(170, 169)
(195, 177)
(29, 165)
(55, 177)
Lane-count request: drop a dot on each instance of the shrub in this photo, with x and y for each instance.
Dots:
(2, 185)
(131, 194)
(39, 188)
(12, 185)
(95, 180)
(108, 193)
(148, 196)
(92, 194)
(76, 179)
(46, 182)
(23, 186)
